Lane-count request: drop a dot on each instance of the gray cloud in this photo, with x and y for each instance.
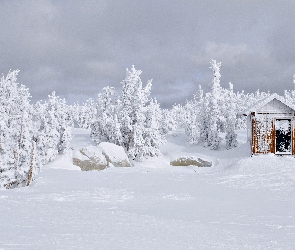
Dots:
(78, 47)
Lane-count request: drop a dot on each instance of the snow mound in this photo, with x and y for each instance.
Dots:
(90, 158)
(261, 172)
(62, 162)
(115, 154)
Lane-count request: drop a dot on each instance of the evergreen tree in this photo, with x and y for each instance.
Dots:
(54, 132)
(17, 133)
(105, 126)
(48, 135)
(168, 121)
(231, 136)
(153, 136)
(131, 115)
(213, 121)
(61, 115)
(84, 115)
(193, 117)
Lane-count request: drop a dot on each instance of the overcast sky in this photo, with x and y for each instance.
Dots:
(78, 47)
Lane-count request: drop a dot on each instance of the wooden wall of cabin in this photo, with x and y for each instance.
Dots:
(269, 138)
(263, 135)
(293, 135)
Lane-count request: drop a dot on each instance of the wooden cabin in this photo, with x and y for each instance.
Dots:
(271, 126)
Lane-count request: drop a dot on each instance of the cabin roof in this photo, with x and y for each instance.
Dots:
(265, 101)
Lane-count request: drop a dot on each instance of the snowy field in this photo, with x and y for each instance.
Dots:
(241, 202)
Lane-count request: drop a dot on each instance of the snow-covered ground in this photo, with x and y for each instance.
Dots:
(241, 202)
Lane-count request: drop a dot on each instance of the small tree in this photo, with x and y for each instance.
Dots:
(213, 108)
(17, 133)
(54, 133)
(105, 126)
(84, 115)
(153, 136)
(48, 135)
(168, 121)
(193, 117)
(131, 115)
(231, 136)
(61, 114)
(133, 120)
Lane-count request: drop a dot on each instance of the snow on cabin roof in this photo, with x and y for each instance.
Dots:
(265, 101)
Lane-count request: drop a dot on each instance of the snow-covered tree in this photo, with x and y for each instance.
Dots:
(154, 137)
(168, 121)
(214, 139)
(48, 135)
(132, 112)
(231, 136)
(179, 115)
(54, 132)
(132, 120)
(208, 115)
(193, 117)
(105, 125)
(17, 134)
(60, 111)
(84, 115)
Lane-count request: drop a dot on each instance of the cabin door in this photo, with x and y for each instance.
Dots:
(283, 136)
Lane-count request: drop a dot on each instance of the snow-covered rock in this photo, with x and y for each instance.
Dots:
(114, 154)
(100, 157)
(190, 161)
(90, 158)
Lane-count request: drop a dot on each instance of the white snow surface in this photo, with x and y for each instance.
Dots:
(241, 202)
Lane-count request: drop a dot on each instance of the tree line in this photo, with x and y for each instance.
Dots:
(32, 135)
